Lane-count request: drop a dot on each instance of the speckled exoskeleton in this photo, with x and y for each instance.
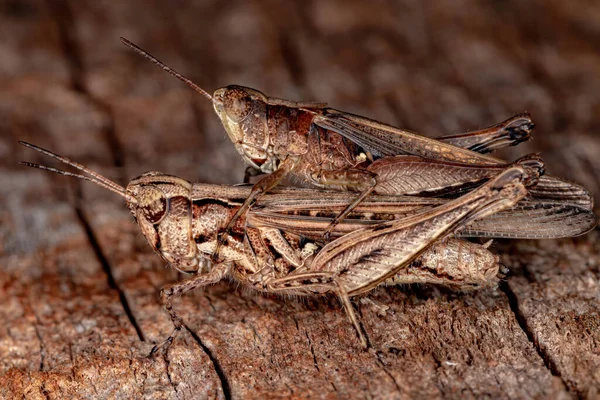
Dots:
(182, 221)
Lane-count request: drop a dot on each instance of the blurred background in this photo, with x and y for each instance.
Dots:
(80, 284)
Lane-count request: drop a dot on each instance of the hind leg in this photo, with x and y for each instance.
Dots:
(318, 282)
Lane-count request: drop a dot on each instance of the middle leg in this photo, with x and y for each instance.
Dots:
(353, 179)
(176, 289)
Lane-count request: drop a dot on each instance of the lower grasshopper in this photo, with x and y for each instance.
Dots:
(182, 224)
(330, 148)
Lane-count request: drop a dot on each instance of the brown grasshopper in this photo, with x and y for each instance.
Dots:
(182, 221)
(329, 148)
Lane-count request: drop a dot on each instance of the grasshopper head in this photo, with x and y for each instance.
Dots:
(161, 205)
(243, 113)
(163, 210)
(236, 103)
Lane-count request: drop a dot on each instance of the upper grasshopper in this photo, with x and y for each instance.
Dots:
(329, 148)
(182, 221)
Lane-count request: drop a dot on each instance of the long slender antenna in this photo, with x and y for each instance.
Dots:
(73, 164)
(170, 70)
(87, 178)
(94, 176)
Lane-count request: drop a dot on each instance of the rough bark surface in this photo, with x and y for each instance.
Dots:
(79, 286)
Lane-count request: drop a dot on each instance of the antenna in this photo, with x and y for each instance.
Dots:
(170, 70)
(94, 176)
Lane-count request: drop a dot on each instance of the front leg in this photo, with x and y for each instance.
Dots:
(217, 273)
(262, 186)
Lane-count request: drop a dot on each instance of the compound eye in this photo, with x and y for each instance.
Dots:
(153, 204)
(237, 104)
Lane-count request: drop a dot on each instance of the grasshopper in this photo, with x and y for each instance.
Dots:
(181, 221)
(329, 148)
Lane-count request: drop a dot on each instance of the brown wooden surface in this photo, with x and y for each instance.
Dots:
(79, 286)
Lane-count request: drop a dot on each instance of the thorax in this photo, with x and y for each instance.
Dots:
(289, 132)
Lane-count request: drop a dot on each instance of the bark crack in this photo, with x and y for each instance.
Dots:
(45, 392)
(312, 351)
(72, 361)
(106, 267)
(310, 345)
(522, 321)
(210, 303)
(36, 323)
(42, 347)
(386, 371)
(168, 372)
(217, 367)
(62, 13)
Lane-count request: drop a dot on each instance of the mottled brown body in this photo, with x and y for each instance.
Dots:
(182, 221)
(457, 264)
(268, 132)
(253, 247)
(343, 151)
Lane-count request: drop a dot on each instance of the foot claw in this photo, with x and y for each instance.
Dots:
(363, 341)
(165, 344)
